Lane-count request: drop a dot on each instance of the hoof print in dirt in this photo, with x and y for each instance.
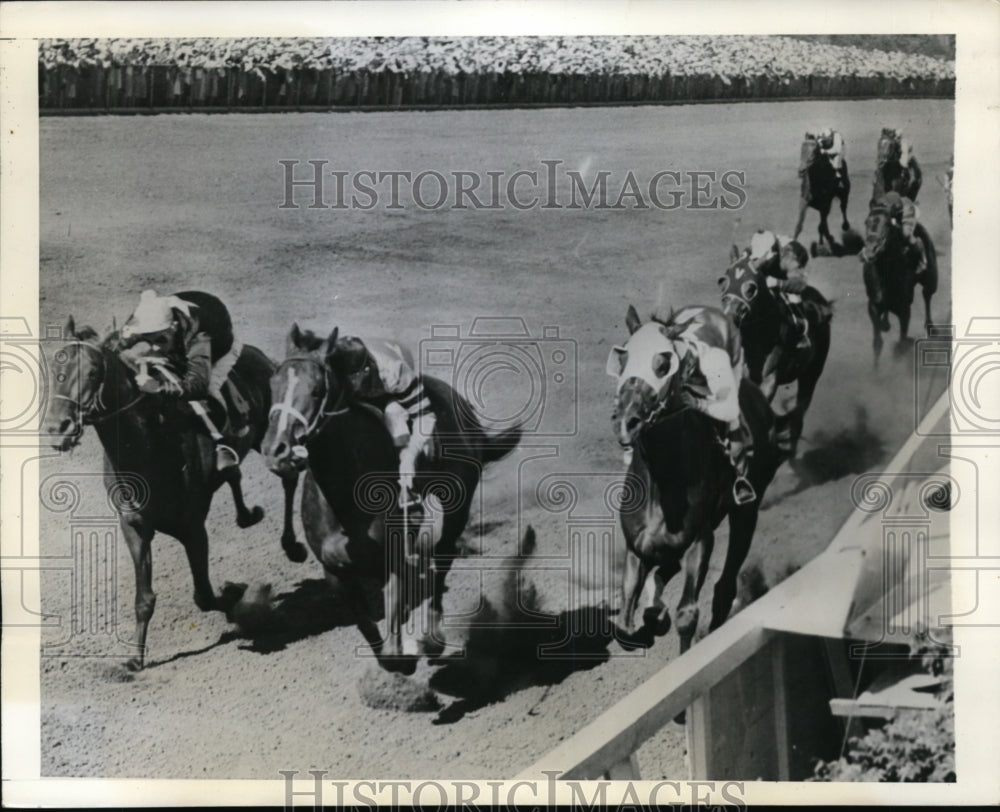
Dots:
(384, 691)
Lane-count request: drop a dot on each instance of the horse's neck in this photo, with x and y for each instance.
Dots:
(127, 431)
(351, 446)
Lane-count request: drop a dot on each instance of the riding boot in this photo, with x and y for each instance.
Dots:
(739, 447)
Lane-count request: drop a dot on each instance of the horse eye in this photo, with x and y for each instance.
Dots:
(661, 365)
(749, 291)
(723, 283)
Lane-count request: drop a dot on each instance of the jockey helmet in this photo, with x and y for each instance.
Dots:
(153, 314)
(762, 243)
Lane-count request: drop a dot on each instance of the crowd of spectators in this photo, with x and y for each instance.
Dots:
(723, 57)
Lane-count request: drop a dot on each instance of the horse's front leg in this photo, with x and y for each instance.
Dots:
(195, 543)
(138, 539)
(391, 658)
(294, 550)
(904, 329)
(844, 197)
(824, 227)
(696, 560)
(877, 342)
(928, 322)
(245, 516)
(803, 205)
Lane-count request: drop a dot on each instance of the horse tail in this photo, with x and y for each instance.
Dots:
(499, 445)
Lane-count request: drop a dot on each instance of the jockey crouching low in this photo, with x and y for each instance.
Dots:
(722, 369)
(783, 260)
(383, 377)
(831, 144)
(705, 348)
(905, 216)
(184, 347)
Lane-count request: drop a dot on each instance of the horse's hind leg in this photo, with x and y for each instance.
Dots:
(245, 517)
(844, 198)
(294, 550)
(695, 568)
(742, 523)
(138, 540)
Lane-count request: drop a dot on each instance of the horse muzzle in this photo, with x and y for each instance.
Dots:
(65, 435)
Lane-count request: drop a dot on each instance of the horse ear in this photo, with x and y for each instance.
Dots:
(734, 253)
(632, 320)
(294, 339)
(69, 331)
(329, 347)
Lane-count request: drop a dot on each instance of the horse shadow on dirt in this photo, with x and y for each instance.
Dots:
(513, 646)
(852, 450)
(308, 610)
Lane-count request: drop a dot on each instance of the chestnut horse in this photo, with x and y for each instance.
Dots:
(159, 462)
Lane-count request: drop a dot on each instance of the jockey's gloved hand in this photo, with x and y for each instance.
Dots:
(150, 386)
(171, 387)
(794, 285)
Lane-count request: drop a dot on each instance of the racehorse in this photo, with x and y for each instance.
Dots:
(351, 511)
(890, 275)
(681, 479)
(770, 351)
(890, 174)
(819, 188)
(159, 465)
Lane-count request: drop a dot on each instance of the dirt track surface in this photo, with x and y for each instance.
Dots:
(185, 202)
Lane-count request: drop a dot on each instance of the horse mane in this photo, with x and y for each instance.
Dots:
(86, 333)
(665, 318)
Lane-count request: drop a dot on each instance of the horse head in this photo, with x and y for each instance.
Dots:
(303, 396)
(879, 226)
(742, 289)
(75, 386)
(646, 368)
(889, 149)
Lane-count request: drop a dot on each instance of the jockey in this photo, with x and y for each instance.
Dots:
(782, 260)
(186, 341)
(712, 346)
(383, 376)
(905, 214)
(831, 144)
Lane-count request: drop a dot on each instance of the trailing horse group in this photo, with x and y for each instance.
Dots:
(709, 402)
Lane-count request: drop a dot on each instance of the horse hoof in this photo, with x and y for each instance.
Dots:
(406, 666)
(133, 665)
(631, 641)
(657, 625)
(681, 718)
(295, 551)
(249, 519)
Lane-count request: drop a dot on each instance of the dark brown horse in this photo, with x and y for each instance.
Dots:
(351, 513)
(159, 463)
(769, 342)
(820, 187)
(890, 272)
(683, 479)
(890, 174)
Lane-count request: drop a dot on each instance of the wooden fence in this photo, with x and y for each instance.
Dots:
(156, 88)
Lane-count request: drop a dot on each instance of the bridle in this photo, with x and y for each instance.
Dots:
(323, 415)
(93, 413)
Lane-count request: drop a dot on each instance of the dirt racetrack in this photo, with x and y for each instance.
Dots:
(192, 201)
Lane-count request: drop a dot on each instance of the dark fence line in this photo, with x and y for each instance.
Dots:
(137, 88)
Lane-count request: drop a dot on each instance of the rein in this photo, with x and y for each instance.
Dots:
(286, 410)
(91, 415)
